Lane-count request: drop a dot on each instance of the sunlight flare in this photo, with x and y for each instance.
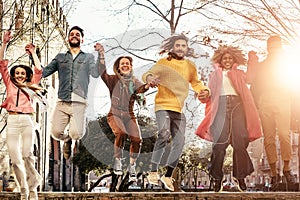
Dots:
(290, 69)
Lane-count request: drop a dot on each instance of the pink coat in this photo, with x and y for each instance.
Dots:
(24, 104)
(237, 78)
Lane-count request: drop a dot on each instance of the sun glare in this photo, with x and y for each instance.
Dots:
(291, 69)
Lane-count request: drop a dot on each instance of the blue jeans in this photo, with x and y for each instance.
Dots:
(229, 127)
(171, 128)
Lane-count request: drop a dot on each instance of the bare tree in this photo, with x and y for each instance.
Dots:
(246, 21)
(243, 22)
(44, 24)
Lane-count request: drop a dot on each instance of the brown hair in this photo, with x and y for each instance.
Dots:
(27, 83)
(168, 44)
(28, 70)
(117, 63)
(78, 29)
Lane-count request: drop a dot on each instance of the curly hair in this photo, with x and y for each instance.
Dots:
(235, 52)
(168, 44)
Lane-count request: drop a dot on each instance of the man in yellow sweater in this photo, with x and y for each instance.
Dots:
(172, 76)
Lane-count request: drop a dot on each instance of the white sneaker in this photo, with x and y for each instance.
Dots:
(33, 195)
(168, 182)
(153, 178)
(24, 194)
(35, 183)
(118, 167)
(132, 173)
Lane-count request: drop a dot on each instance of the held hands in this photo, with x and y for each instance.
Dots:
(203, 94)
(100, 49)
(30, 49)
(147, 86)
(252, 56)
(152, 81)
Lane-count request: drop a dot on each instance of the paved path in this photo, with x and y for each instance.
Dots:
(159, 196)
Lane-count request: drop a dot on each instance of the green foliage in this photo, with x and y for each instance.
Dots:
(85, 160)
(196, 157)
(96, 142)
(227, 166)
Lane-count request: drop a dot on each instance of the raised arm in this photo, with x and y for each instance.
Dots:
(5, 40)
(100, 60)
(252, 67)
(30, 50)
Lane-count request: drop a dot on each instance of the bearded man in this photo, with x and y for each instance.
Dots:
(74, 69)
(172, 76)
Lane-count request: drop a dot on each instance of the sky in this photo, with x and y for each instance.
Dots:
(87, 16)
(99, 19)
(93, 16)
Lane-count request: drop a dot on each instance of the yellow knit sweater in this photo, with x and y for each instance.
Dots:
(175, 76)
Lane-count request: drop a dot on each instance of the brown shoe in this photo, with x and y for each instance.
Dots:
(289, 177)
(275, 180)
(217, 184)
(67, 149)
(241, 185)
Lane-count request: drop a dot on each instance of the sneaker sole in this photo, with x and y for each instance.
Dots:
(118, 172)
(166, 186)
(132, 179)
(152, 182)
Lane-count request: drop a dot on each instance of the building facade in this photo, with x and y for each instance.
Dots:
(42, 23)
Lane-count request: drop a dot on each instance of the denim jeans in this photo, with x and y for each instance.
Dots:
(171, 128)
(20, 137)
(229, 127)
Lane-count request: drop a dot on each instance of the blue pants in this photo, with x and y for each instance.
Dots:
(171, 128)
(229, 127)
